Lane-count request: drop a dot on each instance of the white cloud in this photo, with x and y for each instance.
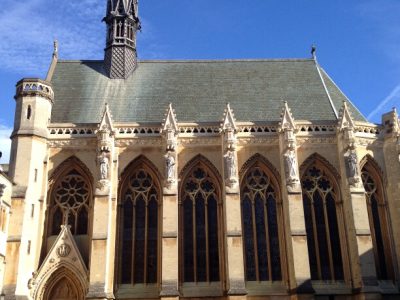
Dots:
(29, 27)
(5, 143)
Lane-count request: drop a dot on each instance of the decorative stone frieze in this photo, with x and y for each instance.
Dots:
(288, 130)
(229, 130)
(137, 142)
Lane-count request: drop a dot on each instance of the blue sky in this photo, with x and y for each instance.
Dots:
(358, 42)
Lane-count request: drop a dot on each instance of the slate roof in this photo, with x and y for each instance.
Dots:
(198, 90)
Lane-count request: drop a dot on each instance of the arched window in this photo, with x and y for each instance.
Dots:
(262, 246)
(139, 223)
(70, 200)
(200, 217)
(378, 220)
(322, 210)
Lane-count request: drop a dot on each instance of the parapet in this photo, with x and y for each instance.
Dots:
(29, 87)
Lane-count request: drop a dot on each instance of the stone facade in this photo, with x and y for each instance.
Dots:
(5, 204)
(228, 209)
(42, 152)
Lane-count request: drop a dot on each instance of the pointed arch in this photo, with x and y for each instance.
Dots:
(67, 164)
(69, 201)
(324, 219)
(62, 284)
(262, 221)
(373, 182)
(70, 198)
(140, 161)
(139, 215)
(204, 160)
(317, 158)
(369, 161)
(200, 220)
(260, 159)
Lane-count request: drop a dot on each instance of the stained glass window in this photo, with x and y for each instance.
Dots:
(199, 211)
(260, 226)
(70, 202)
(320, 197)
(377, 212)
(140, 201)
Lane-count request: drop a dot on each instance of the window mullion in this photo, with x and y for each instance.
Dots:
(328, 237)
(255, 237)
(207, 243)
(133, 241)
(373, 236)
(146, 231)
(268, 242)
(314, 226)
(194, 240)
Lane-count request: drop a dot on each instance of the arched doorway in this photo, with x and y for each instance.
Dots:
(64, 289)
(63, 285)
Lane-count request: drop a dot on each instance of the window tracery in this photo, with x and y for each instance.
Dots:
(70, 203)
(140, 210)
(377, 213)
(259, 196)
(200, 221)
(322, 209)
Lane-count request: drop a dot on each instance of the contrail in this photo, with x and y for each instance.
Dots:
(394, 93)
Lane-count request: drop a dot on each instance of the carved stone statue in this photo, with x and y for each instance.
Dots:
(230, 164)
(352, 169)
(104, 166)
(170, 167)
(230, 138)
(352, 166)
(291, 166)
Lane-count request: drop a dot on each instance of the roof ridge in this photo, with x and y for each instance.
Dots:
(347, 98)
(201, 60)
(326, 89)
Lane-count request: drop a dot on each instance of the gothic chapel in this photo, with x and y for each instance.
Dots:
(221, 179)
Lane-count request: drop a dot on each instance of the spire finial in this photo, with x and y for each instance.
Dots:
(55, 50)
(313, 51)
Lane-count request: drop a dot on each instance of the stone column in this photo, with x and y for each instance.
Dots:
(234, 236)
(170, 238)
(104, 214)
(299, 275)
(169, 243)
(391, 152)
(357, 233)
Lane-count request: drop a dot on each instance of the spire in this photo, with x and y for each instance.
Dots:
(287, 121)
(170, 120)
(120, 58)
(345, 119)
(228, 121)
(106, 120)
